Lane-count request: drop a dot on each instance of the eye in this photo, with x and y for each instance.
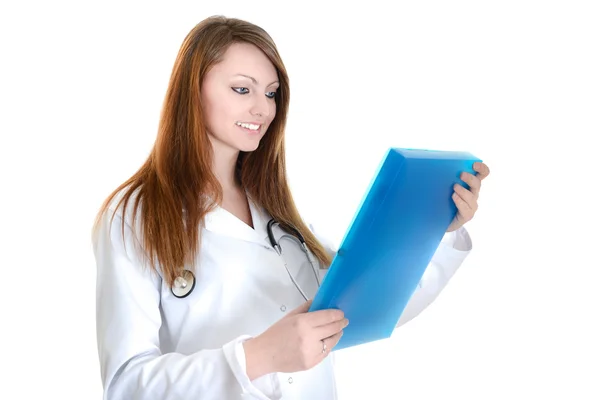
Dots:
(240, 90)
(271, 95)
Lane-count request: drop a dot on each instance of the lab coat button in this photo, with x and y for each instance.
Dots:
(290, 380)
(282, 308)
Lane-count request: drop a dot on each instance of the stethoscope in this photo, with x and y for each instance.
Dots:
(300, 240)
(186, 282)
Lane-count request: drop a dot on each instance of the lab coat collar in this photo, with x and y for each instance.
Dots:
(223, 222)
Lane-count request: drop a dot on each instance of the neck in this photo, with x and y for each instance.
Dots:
(224, 160)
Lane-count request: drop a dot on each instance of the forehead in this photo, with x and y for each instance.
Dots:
(247, 59)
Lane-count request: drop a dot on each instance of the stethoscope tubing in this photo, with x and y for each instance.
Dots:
(185, 284)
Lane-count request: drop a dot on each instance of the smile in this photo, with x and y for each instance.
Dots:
(252, 127)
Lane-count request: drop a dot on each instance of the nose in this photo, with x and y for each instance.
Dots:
(261, 106)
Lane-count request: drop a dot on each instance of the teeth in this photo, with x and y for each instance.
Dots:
(248, 126)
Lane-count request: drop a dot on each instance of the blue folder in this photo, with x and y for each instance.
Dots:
(395, 232)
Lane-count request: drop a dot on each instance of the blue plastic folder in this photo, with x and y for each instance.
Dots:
(395, 232)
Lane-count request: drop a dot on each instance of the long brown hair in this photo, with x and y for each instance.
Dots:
(173, 187)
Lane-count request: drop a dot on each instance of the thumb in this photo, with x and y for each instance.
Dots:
(303, 308)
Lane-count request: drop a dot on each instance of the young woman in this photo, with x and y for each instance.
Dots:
(192, 300)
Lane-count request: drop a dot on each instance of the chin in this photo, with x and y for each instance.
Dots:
(248, 145)
(248, 148)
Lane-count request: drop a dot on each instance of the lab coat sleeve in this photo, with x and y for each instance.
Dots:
(448, 257)
(128, 321)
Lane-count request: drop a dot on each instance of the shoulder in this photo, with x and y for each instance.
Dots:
(120, 216)
(124, 207)
(117, 235)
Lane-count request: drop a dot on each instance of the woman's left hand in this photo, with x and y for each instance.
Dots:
(465, 199)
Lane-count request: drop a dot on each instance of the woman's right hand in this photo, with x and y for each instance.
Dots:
(295, 342)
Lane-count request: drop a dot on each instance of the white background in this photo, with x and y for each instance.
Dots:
(514, 82)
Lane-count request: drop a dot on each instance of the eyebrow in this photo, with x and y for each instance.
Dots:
(254, 80)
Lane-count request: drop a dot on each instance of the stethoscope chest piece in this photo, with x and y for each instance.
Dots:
(184, 284)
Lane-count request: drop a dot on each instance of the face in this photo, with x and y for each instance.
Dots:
(238, 99)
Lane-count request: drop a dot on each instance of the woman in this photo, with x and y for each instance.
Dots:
(201, 202)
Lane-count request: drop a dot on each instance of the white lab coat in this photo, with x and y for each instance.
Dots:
(153, 345)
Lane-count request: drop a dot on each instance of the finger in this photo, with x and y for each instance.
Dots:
(482, 170)
(323, 348)
(466, 195)
(473, 182)
(465, 213)
(324, 317)
(325, 331)
(330, 343)
(303, 308)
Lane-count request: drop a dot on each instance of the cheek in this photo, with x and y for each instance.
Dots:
(220, 115)
(216, 115)
(272, 112)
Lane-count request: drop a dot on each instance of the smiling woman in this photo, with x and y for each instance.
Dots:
(234, 102)
(198, 212)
